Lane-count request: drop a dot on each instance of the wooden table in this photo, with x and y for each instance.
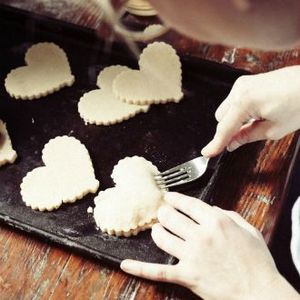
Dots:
(31, 269)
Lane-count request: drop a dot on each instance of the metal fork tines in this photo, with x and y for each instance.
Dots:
(183, 173)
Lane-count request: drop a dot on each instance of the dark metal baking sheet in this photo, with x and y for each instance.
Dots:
(166, 135)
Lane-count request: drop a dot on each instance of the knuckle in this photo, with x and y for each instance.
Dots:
(220, 131)
(141, 271)
(162, 275)
(242, 92)
(240, 82)
(225, 105)
(220, 222)
(205, 239)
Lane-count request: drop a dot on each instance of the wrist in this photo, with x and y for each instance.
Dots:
(276, 288)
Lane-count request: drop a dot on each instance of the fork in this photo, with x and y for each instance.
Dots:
(183, 173)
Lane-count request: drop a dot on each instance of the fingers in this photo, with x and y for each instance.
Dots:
(225, 105)
(196, 209)
(157, 272)
(231, 115)
(252, 132)
(166, 241)
(226, 129)
(222, 109)
(176, 222)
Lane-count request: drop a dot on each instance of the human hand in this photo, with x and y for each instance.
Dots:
(221, 256)
(270, 101)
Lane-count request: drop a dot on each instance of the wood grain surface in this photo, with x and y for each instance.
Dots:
(256, 187)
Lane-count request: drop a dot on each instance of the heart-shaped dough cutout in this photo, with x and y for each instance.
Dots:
(157, 81)
(101, 106)
(67, 176)
(47, 71)
(131, 206)
(7, 153)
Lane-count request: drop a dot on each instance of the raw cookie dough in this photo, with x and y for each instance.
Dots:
(47, 71)
(68, 175)
(101, 106)
(131, 206)
(7, 153)
(157, 81)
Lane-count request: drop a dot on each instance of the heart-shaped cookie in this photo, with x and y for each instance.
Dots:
(157, 81)
(47, 71)
(101, 106)
(7, 153)
(131, 206)
(68, 175)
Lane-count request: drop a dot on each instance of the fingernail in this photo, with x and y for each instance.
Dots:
(126, 265)
(207, 150)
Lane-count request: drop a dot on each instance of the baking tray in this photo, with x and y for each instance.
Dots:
(166, 135)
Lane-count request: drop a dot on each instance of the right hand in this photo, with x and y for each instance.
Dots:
(270, 101)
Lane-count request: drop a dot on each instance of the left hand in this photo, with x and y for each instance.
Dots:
(221, 256)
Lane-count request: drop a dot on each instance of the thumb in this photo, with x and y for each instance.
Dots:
(250, 132)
